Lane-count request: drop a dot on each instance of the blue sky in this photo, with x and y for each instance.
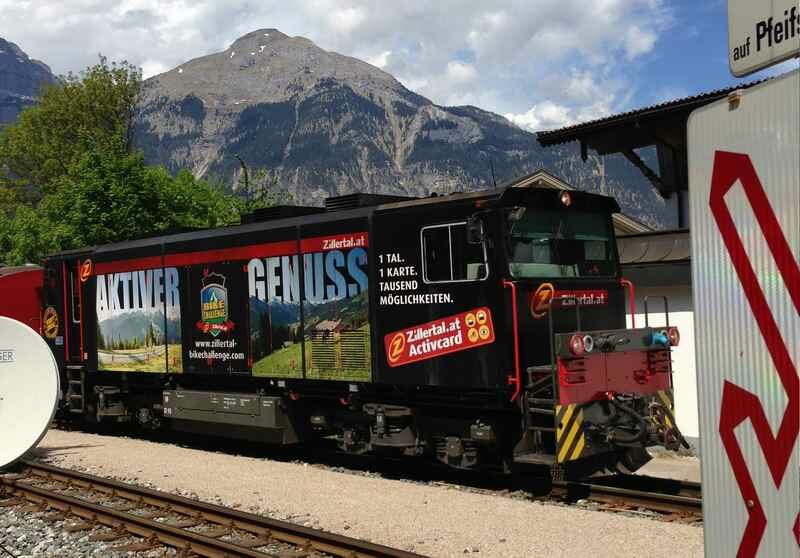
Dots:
(692, 56)
(541, 63)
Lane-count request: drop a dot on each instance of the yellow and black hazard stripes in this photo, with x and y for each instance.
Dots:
(662, 417)
(664, 399)
(570, 438)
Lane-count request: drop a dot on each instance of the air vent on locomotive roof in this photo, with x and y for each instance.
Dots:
(352, 201)
(279, 212)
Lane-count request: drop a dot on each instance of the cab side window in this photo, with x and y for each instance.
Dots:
(448, 257)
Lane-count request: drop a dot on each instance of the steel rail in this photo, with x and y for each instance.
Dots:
(264, 530)
(679, 504)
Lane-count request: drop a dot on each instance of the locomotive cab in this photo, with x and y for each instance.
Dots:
(593, 392)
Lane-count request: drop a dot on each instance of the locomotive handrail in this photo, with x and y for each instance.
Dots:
(80, 304)
(646, 313)
(66, 329)
(517, 380)
(632, 298)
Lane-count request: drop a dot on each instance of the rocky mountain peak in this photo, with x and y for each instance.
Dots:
(328, 124)
(21, 79)
(266, 66)
(256, 39)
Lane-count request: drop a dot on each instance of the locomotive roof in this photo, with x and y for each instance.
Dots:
(506, 194)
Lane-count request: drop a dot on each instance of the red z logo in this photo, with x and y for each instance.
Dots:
(539, 302)
(738, 404)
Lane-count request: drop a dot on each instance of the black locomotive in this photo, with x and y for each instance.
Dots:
(482, 329)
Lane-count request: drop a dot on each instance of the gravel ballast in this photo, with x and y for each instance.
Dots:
(26, 535)
(435, 520)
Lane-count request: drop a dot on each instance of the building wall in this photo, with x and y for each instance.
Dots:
(684, 375)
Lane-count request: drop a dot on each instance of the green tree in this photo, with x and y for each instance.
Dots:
(110, 195)
(260, 189)
(69, 176)
(29, 236)
(72, 116)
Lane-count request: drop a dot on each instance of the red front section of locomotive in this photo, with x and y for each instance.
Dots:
(600, 374)
(614, 396)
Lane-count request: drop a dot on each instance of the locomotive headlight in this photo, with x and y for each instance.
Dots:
(674, 336)
(576, 346)
(588, 343)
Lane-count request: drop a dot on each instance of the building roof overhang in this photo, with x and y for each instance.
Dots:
(662, 125)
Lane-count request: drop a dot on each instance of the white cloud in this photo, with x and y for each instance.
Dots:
(151, 68)
(379, 60)
(459, 72)
(581, 87)
(548, 115)
(348, 19)
(508, 56)
(638, 42)
(543, 116)
(599, 109)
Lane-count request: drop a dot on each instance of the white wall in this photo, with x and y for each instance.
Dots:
(683, 367)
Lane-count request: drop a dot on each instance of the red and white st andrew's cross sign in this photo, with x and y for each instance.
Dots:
(739, 404)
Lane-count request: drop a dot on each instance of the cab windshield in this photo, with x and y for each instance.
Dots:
(560, 243)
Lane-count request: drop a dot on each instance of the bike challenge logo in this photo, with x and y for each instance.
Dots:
(214, 305)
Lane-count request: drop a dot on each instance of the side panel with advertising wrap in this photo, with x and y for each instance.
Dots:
(432, 288)
(289, 308)
(337, 335)
(463, 331)
(139, 321)
(274, 295)
(215, 337)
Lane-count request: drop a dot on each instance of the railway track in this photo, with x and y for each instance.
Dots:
(675, 500)
(117, 511)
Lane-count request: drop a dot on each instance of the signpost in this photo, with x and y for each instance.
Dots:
(744, 187)
(744, 183)
(762, 33)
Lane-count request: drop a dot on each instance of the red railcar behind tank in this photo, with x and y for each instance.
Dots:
(20, 294)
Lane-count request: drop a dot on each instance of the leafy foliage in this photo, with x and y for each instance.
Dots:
(109, 196)
(71, 117)
(69, 177)
(25, 236)
(261, 189)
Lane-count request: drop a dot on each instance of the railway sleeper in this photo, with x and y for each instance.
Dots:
(78, 525)
(139, 545)
(109, 534)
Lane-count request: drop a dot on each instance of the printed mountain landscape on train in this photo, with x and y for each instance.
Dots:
(139, 321)
(335, 338)
(336, 308)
